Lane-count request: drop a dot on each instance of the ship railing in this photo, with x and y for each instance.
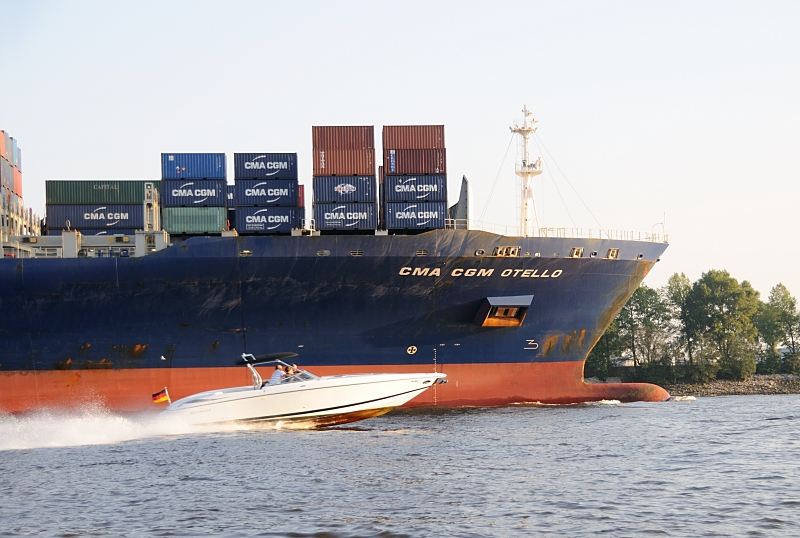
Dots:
(582, 233)
(456, 224)
(594, 233)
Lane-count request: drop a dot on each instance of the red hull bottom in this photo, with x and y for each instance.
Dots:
(468, 385)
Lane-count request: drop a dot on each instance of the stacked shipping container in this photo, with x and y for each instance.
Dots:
(102, 206)
(193, 193)
(11, 208)
(266, 193)
(414, 177)
(344, 178)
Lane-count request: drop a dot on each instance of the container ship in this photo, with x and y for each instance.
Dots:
(143, 284)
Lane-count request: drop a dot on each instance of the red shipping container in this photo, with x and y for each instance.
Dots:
(17, 182)
(414, 161)
(413, 137)
(345, 137)
(344, 162)
(301, 196)
(3, 149)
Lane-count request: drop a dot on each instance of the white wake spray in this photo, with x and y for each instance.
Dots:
(90, 425)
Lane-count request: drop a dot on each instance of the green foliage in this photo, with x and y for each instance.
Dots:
(645, 326)
(791, 364)
(721, 310)
(713, 328)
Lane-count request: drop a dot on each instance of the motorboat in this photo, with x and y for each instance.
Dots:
(301, 397)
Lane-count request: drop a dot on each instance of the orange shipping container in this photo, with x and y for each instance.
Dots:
(413, 137)
(345, 137)
(414, 161)
(344, 162)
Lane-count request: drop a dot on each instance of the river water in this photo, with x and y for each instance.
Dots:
(726, 466)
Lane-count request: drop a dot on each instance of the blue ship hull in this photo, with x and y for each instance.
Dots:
(346, 302)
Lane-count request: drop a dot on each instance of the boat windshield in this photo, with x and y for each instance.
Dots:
(302, 375)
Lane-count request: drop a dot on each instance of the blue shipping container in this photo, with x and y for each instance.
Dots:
(355, 216)
(337, 189)
(416, 188)
(95, 217)
(193, 166)
(230, 195)
(193, 193)
(267, 220)
(265, 166)
(259, 193)
(415, 215)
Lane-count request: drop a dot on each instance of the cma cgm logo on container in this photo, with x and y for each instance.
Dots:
(345, 188)
(260, 190)
(258, 163)
(410, 186)
(270, 221)
(186, 191)
(102, 213)
(341, 213)
(409, 213)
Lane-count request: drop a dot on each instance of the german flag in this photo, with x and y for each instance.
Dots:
(161, 396)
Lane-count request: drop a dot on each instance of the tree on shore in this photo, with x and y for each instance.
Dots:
(676, 291)
(714, 327)
(720, 320)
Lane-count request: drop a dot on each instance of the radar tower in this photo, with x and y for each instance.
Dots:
(526, 170)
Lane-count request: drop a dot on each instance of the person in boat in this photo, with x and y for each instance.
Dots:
(291, 371)
(277, 375)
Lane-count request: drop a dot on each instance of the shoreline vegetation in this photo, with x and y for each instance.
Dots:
(713, 336)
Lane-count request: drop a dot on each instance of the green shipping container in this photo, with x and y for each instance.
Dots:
(97, 191)
(194, 220)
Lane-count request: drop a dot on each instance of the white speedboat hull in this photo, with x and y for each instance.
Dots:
(318, 402)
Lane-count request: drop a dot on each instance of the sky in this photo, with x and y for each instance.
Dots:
(679, 117)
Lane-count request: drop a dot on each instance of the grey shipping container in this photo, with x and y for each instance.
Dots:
(6, 174)
(193, 166)
(414, 161)
(266, 193)
(344, 189)
(95, 217)
(416, 188)
(343, 137)
(194, 220)
(344, 162)
(193, 193)
(267, 220)
(108, 231)
(354, 216)
(415, 215)
(265, 166)
(98, 191)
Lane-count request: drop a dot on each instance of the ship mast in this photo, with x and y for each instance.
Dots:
(526, 170)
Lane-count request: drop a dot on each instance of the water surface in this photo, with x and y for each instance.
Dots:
(709, 467)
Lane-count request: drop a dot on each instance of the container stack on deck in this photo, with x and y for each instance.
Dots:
(99, 207)
(14, 218)
(267, 195)
(414, 177)
(344, 178)
(194, 193)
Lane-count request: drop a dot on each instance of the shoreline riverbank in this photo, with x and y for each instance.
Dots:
(758, 384)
